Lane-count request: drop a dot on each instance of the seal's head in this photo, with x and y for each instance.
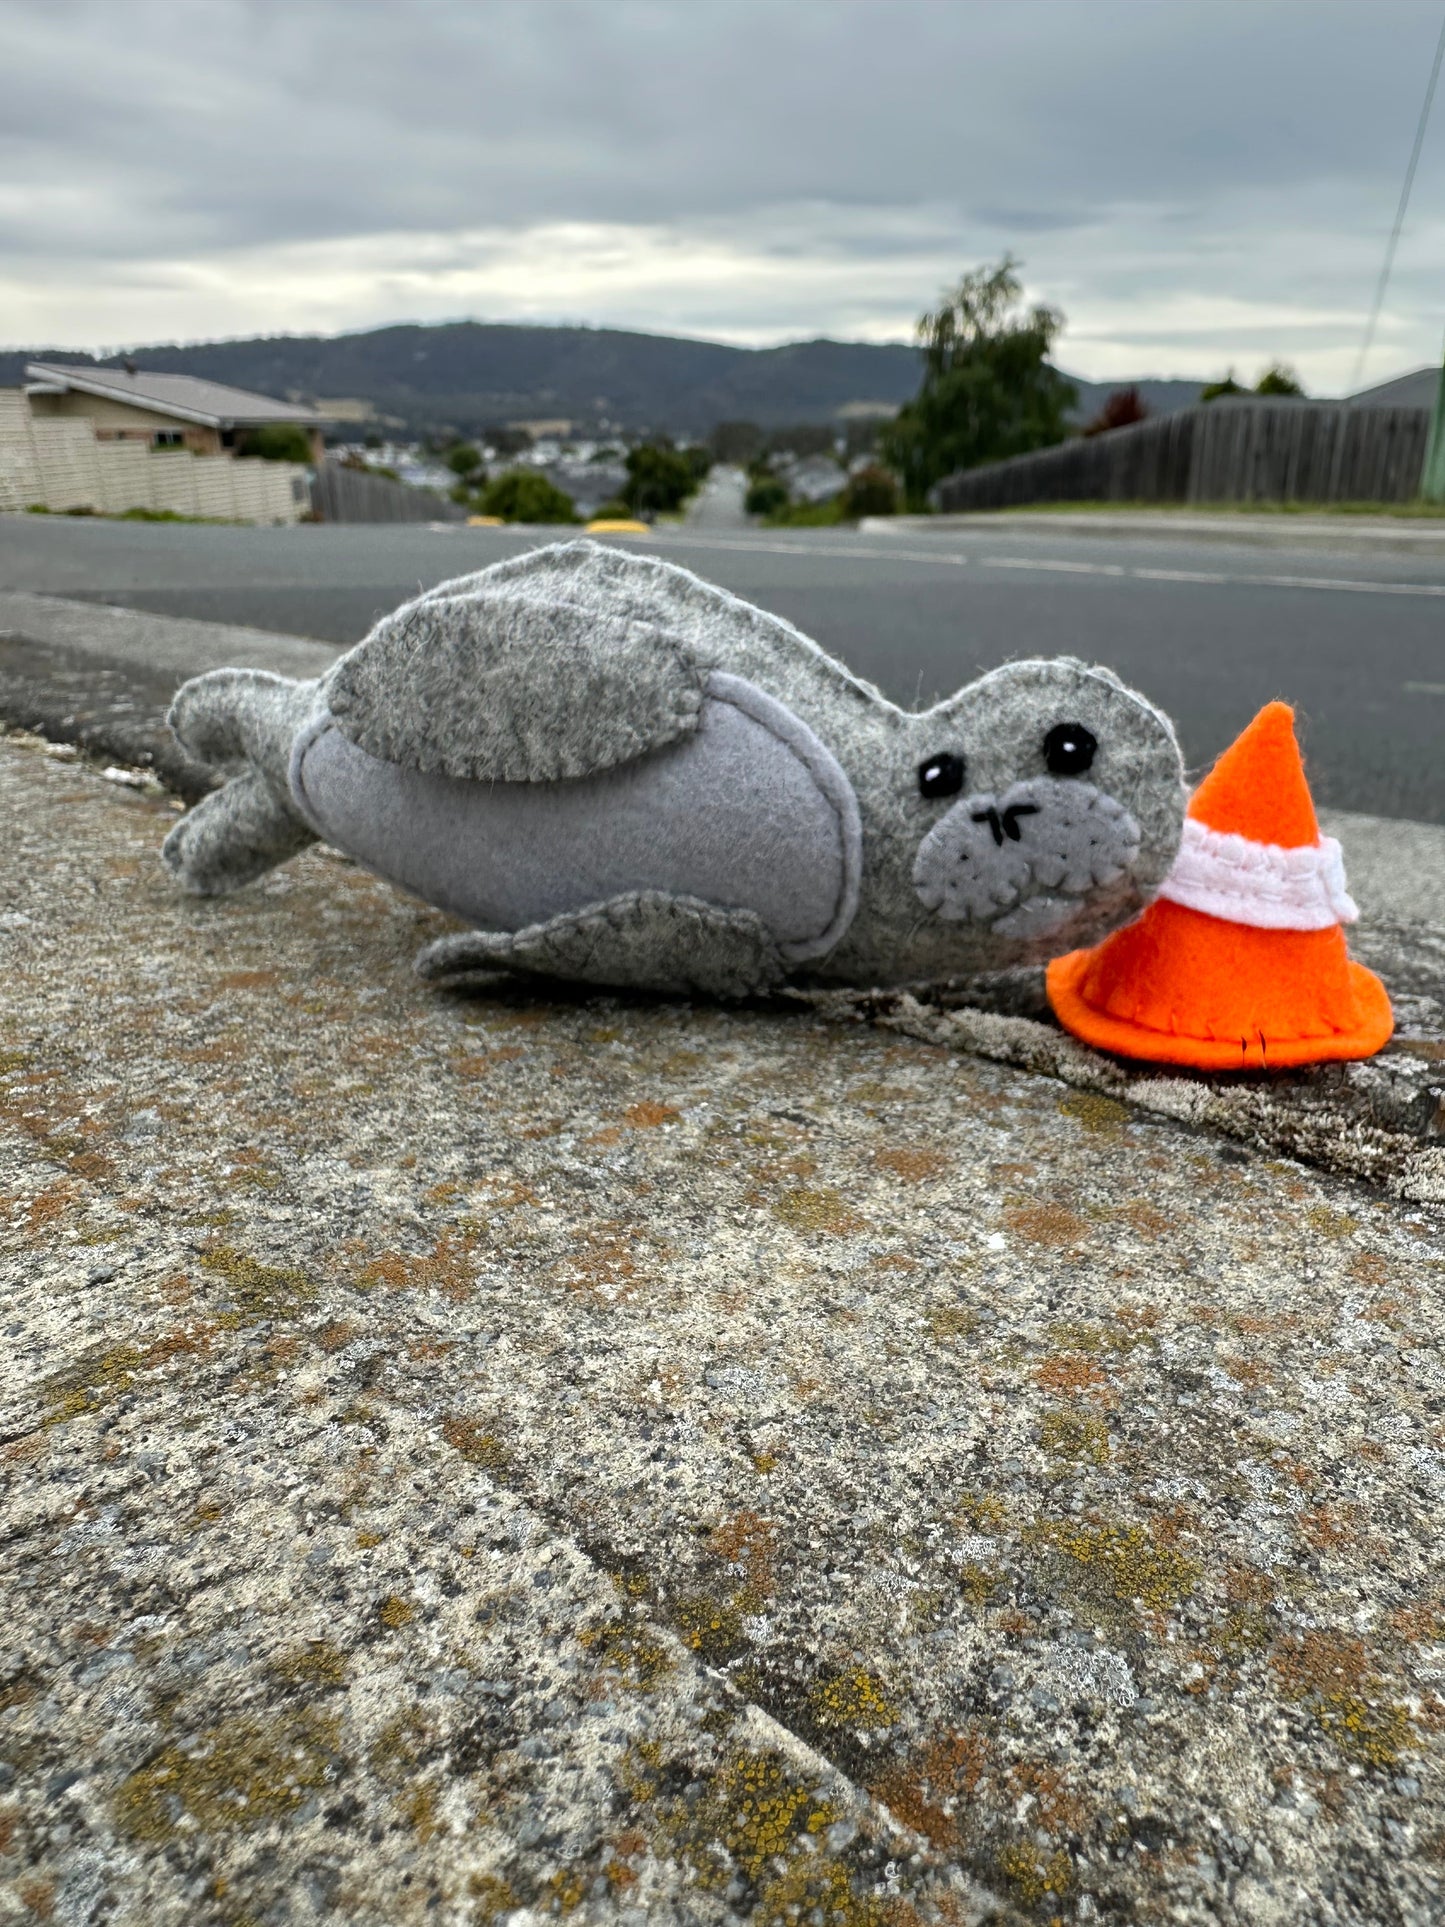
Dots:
(1050, 801)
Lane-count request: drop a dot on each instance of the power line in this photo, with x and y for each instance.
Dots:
(1393, 241)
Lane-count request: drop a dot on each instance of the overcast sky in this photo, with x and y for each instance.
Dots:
(1196, 183)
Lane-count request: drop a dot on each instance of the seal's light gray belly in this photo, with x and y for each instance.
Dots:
(751, 811)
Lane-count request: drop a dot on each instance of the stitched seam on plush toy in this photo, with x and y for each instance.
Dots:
(831, 781)
(295, 771)
(350, 687)
(481, 949)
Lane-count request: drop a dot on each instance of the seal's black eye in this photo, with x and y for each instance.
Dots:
(941, 775)
(1069, 749)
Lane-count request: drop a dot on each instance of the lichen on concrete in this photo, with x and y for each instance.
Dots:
(535, 1455)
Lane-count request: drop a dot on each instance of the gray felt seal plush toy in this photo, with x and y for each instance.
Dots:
(615, 772)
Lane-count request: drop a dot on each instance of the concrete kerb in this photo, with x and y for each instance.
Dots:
(102, 678)
(1382, 1122)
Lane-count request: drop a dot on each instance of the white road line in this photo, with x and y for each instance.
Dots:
(1042, 565)
(802, 548)
(1060, 568)
(1344, 583)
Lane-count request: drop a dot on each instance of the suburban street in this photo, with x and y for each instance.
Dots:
(1352, 635)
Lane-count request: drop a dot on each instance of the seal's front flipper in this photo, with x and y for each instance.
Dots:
(648, 940)
(234, 836)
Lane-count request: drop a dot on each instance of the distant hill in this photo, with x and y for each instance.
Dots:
(466, 375)
(1159, 397)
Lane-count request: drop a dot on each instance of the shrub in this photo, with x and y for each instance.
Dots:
(276, 442)
(522, 495)
(463, 459)
(614, 511)
(658, 478)
(870, 491)
(1278, 380)
(809, 515)
(767, 496)
(1212, 390)
(1122, 408)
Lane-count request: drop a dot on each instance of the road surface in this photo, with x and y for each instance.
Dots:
(1356, 641)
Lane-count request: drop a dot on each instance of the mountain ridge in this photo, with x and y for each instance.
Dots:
(464, 376)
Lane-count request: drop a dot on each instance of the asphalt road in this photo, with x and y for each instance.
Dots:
(1355, 641)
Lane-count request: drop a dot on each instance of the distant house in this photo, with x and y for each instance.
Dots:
(161, 411)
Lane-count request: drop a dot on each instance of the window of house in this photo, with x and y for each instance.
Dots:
(168, 438)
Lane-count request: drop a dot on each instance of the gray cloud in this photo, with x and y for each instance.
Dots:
(1135, 152)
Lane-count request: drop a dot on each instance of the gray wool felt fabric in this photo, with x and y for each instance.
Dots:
(749, 808)
(245, 717)
(234, 836)
(1068, 839)
(663, 942)
(568, 703)
(478, 686)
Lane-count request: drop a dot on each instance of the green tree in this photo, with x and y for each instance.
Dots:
(1278, 380)
(870, 491)
(524, 495)
(277, 442)
(765, 496)
(1212, 390)
(462, 459)
(507, 441)
(988, 390)
(658, 478)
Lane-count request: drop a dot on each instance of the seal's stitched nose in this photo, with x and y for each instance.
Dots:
(1010, 820)
(990, 816)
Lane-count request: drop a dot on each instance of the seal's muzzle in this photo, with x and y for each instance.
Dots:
(1017, 860)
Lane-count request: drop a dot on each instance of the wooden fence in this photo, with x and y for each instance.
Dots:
(1220, 452)
(57, 464)
(342, 494)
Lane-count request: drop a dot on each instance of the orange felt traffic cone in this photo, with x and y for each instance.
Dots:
(1240, 964)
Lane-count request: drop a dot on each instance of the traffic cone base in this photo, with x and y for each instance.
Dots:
(1179, 987)
(1240, 963)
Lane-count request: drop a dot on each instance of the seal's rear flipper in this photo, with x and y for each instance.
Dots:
(241, 715)
(234, 836)
(648, 939)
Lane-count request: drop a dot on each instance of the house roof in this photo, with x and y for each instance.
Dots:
(1416, 390)
(186, 397)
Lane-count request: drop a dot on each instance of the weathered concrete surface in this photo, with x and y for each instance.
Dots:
(514, 1456)
(103, 678)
